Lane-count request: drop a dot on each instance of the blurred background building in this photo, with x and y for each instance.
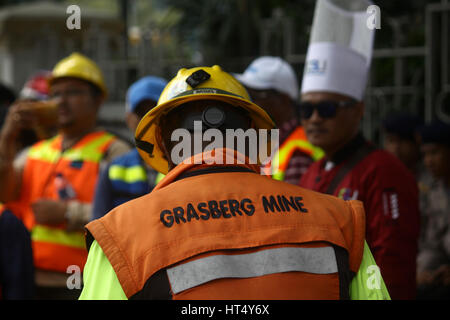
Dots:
(133, 38)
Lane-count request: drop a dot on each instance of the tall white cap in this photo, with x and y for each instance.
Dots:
(270, 73)
(340, 48)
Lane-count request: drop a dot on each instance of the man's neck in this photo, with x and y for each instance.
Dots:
(341, 151)
(70, 138)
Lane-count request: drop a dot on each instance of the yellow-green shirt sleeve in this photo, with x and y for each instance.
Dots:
(100, 280)
(368, 284)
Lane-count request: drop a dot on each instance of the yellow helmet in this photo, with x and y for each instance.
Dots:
(199, 83)
(79, 66)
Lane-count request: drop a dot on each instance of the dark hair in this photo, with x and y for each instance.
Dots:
(7, 95)
(236, 117)
(402, 124)
(95, 91)
(435, 132)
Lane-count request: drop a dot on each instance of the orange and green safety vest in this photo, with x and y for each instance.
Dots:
(296, 141)
(53, 173)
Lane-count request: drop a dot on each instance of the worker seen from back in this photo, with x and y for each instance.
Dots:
(214, 227)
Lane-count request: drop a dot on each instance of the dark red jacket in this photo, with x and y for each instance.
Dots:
(390, 196)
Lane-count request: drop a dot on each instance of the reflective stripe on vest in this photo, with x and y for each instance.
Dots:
(57, 236)
(297, 140)
(49, 151)
(127, 174)
(44, 151)
(321, 260)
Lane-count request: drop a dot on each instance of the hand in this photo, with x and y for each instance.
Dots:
(443, 274)
(21, 115)
(424, 278)
(438, 276)
(50, 212)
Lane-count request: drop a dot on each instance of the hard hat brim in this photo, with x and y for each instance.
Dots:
(147, 128)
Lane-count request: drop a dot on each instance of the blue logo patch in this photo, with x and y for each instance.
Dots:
(348, 194)
(315, 66)
(252, 69)
(76, 164)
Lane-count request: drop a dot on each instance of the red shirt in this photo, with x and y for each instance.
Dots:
(390, 196)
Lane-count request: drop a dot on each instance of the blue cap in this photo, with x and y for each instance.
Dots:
(436, 132)
(147, 88)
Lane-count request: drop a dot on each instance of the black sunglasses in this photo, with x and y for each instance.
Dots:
(326, 109)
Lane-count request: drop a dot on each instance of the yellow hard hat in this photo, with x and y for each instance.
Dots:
(199, 83)
(79, 66)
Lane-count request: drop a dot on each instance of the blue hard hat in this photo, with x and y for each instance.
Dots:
(147, 88)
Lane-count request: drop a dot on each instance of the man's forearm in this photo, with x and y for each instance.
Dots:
(8, 176)
(20, 116)
(7, 185)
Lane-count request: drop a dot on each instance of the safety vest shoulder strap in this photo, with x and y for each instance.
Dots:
(296, 141)
(46, 150)
(299, 140)
(91, 148)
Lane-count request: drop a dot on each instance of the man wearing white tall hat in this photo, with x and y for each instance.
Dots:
(334, 81)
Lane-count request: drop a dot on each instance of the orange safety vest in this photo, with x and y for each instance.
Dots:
(54, 248)
(226, 232)
(297, 140)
